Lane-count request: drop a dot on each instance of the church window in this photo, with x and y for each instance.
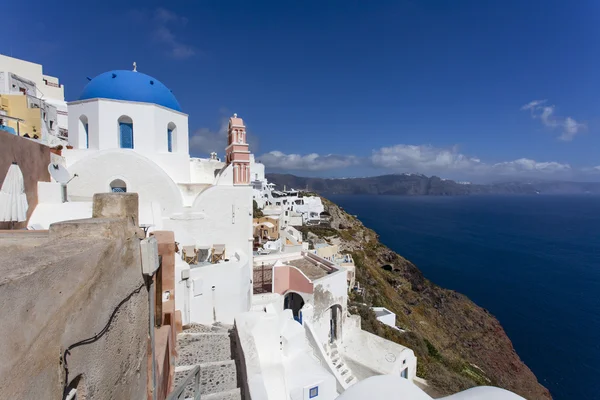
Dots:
(84, 128)
(118, 186)
(171, 137)
(125, 132)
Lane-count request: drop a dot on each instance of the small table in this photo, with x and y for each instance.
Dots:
(145, 227)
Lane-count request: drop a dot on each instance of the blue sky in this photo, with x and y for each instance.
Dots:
(475, 90)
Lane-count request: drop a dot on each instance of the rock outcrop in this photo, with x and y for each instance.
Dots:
(458, 344)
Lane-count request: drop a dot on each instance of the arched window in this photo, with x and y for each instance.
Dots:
(125, 132)
(171, 137)
(84, 128)
(118, 186)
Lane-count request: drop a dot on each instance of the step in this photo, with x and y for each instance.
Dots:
(233, 394)
(197, 348)
(352, 381)
(215, 377)
(199, 328)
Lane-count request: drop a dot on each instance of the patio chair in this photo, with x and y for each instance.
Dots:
(218, 253)
(190, 255)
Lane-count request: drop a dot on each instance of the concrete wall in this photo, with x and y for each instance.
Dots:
(62, 289)
(33, 159)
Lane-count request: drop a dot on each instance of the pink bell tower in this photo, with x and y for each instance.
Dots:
(237, 152)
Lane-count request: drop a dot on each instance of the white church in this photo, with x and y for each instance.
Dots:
(128, 134)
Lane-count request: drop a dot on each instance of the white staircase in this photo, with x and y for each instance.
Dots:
(338, 362)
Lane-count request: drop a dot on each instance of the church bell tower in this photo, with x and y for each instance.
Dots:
(237, 152)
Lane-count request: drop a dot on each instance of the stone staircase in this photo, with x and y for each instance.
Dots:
(209, 347)
(339, 364)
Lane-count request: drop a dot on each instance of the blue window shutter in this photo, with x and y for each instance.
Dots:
(126, 131)
(87, 136)
(170, 140)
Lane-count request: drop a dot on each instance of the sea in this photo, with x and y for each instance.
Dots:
(532, 261)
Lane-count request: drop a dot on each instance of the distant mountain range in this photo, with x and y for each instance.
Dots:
(421, 185)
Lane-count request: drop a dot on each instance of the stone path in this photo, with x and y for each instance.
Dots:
(209, 347)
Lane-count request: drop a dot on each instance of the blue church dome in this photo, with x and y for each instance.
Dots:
(129, 86)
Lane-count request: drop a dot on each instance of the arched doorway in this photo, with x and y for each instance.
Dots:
(295, 302)
(335, 323)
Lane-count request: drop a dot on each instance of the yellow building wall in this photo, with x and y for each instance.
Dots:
(15, 106)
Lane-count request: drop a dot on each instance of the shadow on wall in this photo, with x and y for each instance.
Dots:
(33, 159)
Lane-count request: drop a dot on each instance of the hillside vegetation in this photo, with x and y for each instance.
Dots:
(458, 344)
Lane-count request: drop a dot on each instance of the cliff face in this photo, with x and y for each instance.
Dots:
(458, 344)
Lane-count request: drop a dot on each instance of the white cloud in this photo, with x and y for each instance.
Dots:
(527, 165)
(162, 22)
(568, 126)
(426, 159)
(422, 158)
(309, 162)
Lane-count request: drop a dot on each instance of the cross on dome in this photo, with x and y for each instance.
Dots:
(134, 67)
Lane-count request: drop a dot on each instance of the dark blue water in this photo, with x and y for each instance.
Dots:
(534, 262)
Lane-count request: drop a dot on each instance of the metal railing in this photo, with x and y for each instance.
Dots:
(179, 391)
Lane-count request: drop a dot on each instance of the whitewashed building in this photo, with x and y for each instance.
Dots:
(129, 134)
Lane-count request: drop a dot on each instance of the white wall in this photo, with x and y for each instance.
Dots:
(278, 359)
(96, 172)
(203, 170)
(375, 355)
(150, 122)
(226, 218)
(219, 292)
(32, 72)
(389, 318)
(257, 170)
(330, 290)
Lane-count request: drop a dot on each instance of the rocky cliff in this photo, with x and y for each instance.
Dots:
(458, 344)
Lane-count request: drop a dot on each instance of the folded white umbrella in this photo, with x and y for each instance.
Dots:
(13, 200)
